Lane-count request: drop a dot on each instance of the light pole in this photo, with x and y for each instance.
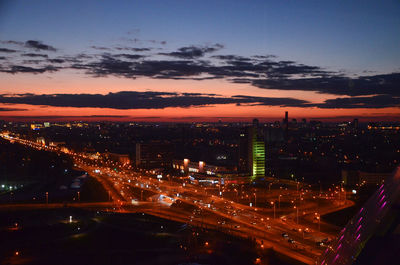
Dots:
(255, 199)
(318, 216)
(279, 201)
(342, 190)
(273, 204)
(79, 196)
(47, 197)
(297, 214)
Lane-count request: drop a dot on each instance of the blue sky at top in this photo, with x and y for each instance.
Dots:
(351, 35)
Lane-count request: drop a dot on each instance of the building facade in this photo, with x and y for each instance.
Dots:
(252, 151)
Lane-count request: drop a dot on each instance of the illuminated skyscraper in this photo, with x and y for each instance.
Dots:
(252, 151)
(258, 158)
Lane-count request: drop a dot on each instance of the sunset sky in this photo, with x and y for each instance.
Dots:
(199, 60)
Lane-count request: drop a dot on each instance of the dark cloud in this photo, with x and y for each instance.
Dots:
(56, 60)
(108, 65)
(163, 42)
(7, 50)
(196, 63)
(230, 58)
(130, 56)
(142, 100)
(133, 49)
(287, 102)
(337, 85)
(269, 56)
(169, 69)
(100, 48)
(38, 45)
(11, 109)
(12, 42)
(35, 55)
(375, 102)
(80, 58)
(192, 52)
(32, 61)
(262, 72)
(14, 69)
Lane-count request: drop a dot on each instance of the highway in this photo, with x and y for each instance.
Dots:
(285, 217)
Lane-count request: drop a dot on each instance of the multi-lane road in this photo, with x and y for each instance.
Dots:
(285, 216)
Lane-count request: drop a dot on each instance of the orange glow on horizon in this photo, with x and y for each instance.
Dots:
(72, 82)
(228, 112)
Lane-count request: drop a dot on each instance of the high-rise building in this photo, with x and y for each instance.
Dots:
(286, 120)
(258, 157)
(286, 124)
(245, 150)
(252, 151)
(355, 123)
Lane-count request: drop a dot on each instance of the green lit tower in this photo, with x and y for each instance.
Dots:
(258, 154)
(252, 151)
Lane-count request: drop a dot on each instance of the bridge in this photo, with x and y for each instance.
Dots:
(375, 215)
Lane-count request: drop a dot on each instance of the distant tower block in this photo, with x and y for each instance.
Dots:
(355, 123)
(286, 124)
(255, 123)
(252, 151)
(258, 158)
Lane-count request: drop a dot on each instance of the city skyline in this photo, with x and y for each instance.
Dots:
(183, 61)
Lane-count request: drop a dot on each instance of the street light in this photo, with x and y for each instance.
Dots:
(279, 201)
(273, 204)
(318, 216)
(297, 214)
